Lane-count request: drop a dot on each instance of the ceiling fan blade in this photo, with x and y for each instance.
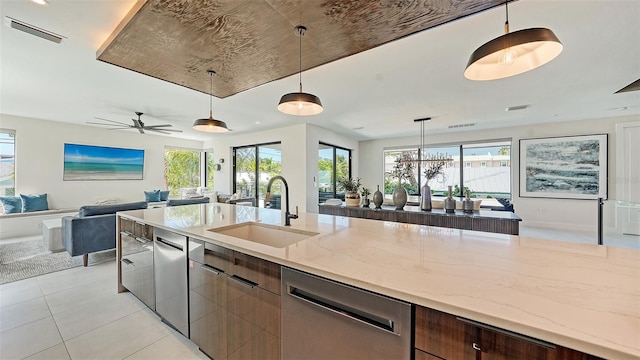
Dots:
(171, 130)
(97, 123)
(113, 121)
(120, 128)
(152, 126)
(160, 131)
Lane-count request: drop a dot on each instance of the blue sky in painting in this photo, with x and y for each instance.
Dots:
(102, 155)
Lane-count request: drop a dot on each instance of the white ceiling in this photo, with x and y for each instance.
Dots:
(378, 92)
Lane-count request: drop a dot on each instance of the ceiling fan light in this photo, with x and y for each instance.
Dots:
(300, 103)
(210, 125)
(530, 48)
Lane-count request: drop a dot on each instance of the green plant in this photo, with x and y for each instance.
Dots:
(365, 192)
(349, 184)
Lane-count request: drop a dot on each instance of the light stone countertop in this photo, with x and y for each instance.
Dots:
(581, 296)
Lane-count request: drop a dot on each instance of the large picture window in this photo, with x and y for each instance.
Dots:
(187, 168)
(7, 162)
(253, 167)
(334, 163)
(482, 168)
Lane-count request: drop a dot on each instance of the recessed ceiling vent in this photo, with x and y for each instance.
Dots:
(518, 107)
(634, 86)
(461, 125)
(33, 30)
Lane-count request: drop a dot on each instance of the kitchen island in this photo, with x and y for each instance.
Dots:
(580, 296)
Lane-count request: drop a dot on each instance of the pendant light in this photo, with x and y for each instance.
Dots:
(300, 103)
(210, 125)
(513, 53)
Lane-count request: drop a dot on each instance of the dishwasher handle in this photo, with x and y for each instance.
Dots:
(344, 310)
(169, 243)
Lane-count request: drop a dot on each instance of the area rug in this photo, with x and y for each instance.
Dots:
(25, 259)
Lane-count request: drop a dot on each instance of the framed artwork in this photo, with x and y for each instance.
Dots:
(86, 162)
(570, 167)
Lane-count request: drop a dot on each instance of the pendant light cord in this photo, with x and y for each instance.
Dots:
(210, 95)
(300, 33)
(506, 23)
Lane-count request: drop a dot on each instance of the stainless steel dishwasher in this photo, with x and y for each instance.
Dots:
(170, 271)
(322, 319)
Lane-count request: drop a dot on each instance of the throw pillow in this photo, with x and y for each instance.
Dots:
(32, 203)
(164, 195)
(152, 196)
(11, 204)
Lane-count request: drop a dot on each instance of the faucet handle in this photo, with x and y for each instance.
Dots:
(294, 216)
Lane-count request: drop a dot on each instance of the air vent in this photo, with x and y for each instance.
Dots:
(461, 125)
(33, 30)
(634, 86)
(518, 107)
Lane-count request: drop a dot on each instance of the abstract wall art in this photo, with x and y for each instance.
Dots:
(571, 167)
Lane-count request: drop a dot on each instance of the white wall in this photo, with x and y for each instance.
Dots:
(39, 161)
(300, 145)
(537, 212)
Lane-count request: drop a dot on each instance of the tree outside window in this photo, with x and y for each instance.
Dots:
(181, 169)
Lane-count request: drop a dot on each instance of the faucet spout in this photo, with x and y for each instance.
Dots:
(287, 215)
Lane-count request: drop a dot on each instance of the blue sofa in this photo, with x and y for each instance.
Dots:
(93, 229)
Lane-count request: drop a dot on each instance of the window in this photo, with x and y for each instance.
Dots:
(257, 162)
(7, 162)
(491, 179)
(401, 165)
(181, 169)
(486, 171)
(332, 160)
(209, 169)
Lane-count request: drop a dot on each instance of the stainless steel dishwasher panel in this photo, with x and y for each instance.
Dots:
(170, 271)
(322, 319)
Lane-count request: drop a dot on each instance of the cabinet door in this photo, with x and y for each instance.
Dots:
(421, 355)
(442, 335)
(253, 321)
(207, 312)
(262, 272)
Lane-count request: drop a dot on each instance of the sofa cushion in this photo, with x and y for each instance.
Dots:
(152, 196)
(92, 210)
(164, 195)
(34, 202)
(11, 204)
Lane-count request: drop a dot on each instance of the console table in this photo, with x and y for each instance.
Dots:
(502, 222)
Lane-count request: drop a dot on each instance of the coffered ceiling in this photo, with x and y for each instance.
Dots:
(372, 94)
(250, 43)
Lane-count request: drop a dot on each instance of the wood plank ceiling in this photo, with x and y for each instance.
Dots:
(253, 42)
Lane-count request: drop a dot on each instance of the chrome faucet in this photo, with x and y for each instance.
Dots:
(287, 216)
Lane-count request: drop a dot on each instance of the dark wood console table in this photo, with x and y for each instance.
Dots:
(502, 222)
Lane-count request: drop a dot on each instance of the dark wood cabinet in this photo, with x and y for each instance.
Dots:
(234, 303)
(421, 355)
(446, 336)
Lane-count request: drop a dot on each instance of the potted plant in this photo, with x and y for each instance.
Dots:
(365, 195)
(350, 187)
(403, 169)
(433, 168)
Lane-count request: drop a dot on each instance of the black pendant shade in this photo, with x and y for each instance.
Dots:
(513, 53)
(300, 103)
(210, 125)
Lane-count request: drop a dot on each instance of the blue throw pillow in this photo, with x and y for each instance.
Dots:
(164, 195)
(34, 202)
(152, 196)
(11, 204)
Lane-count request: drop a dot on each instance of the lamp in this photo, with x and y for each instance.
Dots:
(300, 103)
(513, 53)
(210, 125)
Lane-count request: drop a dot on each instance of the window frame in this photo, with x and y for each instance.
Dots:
(12, 134)
(335, 166)
(234, 149)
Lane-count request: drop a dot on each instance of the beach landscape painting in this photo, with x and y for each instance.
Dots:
(86, 162)
(573, 167)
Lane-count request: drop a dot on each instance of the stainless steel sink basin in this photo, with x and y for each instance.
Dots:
(271, 235)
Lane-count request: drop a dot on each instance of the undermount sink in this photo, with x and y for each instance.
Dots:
(271, 235)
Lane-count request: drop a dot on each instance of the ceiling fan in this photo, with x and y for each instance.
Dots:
(137, 124)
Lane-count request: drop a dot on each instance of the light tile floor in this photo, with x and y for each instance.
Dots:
(78, 314)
